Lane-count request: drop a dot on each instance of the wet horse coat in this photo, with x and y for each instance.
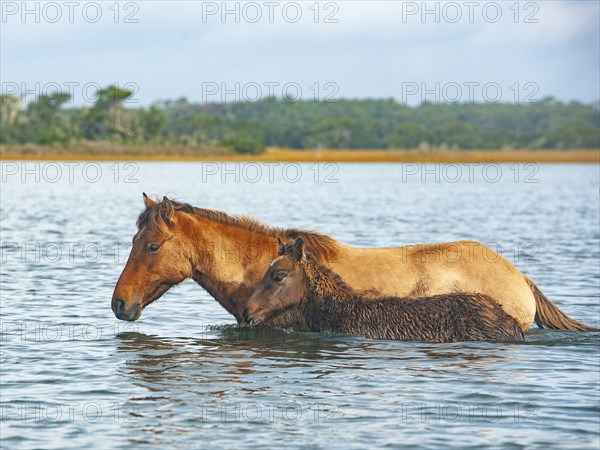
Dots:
(297, 292)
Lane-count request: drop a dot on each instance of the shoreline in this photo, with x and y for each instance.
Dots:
(313, 155)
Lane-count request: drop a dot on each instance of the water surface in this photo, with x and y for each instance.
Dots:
(185, 376)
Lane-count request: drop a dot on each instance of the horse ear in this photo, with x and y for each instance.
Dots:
(167, 210)
(299, 248)
(281, 247)
(147, 200)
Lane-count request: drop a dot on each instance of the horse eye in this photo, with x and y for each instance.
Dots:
(153, 248)
(279, 277)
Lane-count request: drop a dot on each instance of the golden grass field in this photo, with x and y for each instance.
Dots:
(165, 153)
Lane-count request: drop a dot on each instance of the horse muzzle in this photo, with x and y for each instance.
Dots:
(254, 318)
(122, 312)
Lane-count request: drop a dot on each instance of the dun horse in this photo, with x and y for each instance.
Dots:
(309, 295)
(228, 256)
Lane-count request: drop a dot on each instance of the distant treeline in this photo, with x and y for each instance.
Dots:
(249, 127)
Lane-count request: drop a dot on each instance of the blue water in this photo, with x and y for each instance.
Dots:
(185, 376)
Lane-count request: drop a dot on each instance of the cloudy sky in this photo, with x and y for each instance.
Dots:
(212, 51)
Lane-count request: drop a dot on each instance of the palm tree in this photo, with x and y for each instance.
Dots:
(9, 109)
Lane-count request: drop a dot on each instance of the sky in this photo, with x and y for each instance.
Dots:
(239, 51)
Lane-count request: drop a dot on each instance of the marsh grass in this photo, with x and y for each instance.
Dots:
(110, 152)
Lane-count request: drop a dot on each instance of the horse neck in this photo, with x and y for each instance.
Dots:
(324, 283)
(326, 294)
(229, 261)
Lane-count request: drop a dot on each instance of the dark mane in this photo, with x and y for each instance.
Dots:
(322, 280)
(326, 282)
(322, 246)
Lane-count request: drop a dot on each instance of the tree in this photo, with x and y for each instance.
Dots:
(407, 135)
(44, 123)
(243, 144)
(249, 127)
(153, 123)
(455, 134)
(104, 119)
(9, 111)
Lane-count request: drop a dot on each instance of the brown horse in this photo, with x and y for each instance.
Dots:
(297, 292)
(228, 256)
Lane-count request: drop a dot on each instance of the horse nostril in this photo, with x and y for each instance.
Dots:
(245, 315)
(120, 306)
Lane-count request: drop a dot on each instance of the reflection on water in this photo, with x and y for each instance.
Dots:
(186, 376)
(234, 350)
(242, 376)
(230, 377)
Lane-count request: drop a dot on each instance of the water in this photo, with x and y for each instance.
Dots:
(185, 376)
